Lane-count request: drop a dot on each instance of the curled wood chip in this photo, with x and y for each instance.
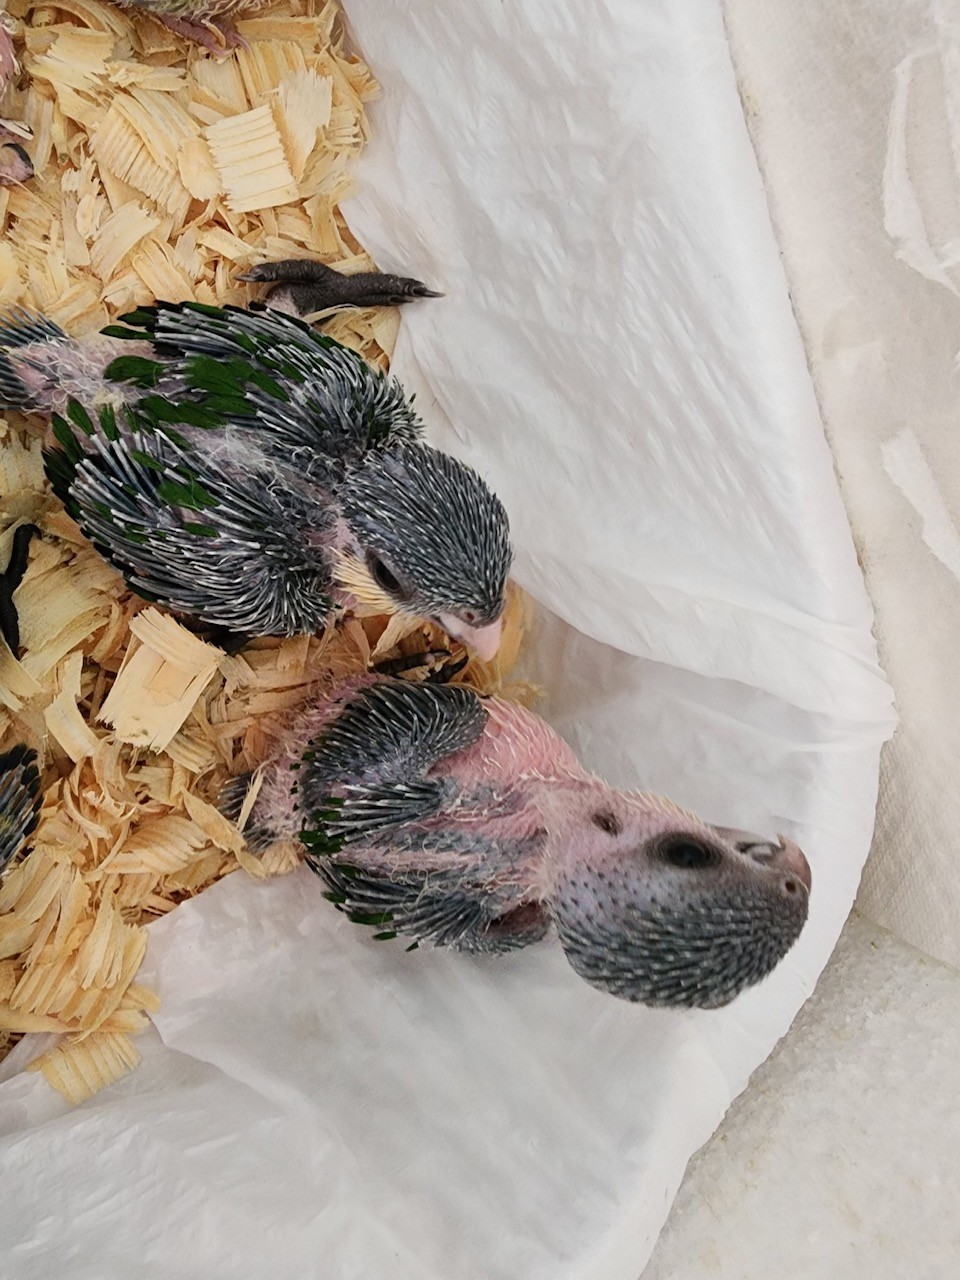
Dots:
(63, 716)
(118, 234)
(249, 157)
(79, 1069)
(159, 681)
(304, 102)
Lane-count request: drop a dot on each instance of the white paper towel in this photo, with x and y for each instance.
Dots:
(856, 120)
(618, 354)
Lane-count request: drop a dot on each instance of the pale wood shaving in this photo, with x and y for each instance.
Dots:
(159, 681)
(128, 198)
(148, 184)
(249, 157)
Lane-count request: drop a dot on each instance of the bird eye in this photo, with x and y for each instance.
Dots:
(689, 854)
(607, 822)
(382, 575)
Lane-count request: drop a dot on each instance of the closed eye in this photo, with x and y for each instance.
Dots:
(607, 822)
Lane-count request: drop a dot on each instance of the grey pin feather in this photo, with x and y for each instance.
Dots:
(19, 802)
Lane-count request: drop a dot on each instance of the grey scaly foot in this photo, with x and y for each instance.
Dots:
(302, 287)
(10, 579)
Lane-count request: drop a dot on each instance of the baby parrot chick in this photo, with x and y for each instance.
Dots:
(244, 470)
(431, 812)
(19, 802)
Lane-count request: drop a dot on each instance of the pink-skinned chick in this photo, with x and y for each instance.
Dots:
(431, 812)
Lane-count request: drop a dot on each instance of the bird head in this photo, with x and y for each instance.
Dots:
(426, 537)
(655, 906)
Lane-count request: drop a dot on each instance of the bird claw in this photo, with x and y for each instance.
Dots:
(231, 642)
(218, 38)
(303, 287)
(441, 666)
(10, 579)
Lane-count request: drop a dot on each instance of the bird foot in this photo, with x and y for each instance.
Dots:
(10, 579)
(231, 642)
(302, 287)
(440, 663)
(218, 37)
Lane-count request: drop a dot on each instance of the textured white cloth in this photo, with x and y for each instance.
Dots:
(617, 352)
(839, 1159)
(854, 110)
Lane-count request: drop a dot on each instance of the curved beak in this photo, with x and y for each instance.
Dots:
(782, 853)
(483, 641)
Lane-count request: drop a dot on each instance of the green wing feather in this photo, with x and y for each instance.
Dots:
(269, 372)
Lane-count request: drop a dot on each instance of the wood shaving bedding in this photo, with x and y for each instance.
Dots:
(161, 172)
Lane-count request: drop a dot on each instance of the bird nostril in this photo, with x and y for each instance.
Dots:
(791, 886)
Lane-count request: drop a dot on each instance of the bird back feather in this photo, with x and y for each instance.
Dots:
(266, 372)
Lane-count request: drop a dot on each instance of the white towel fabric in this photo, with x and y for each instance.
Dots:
(855, 114)
(617, 352)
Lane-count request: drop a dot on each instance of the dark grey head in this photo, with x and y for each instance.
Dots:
(433, 539)
(672, 912)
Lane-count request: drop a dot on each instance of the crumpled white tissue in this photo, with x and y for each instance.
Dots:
(617, 353)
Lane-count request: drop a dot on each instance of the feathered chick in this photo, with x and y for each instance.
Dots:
(467, 822)
(243, 469)
(19, 802)
(15, 163)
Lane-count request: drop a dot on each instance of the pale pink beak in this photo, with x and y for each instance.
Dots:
(483, 641)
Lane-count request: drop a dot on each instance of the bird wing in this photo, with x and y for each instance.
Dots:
(187, 531)
(430, 906)
(19, 801)
(366, 783)
(268, 372)
(367, 771)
